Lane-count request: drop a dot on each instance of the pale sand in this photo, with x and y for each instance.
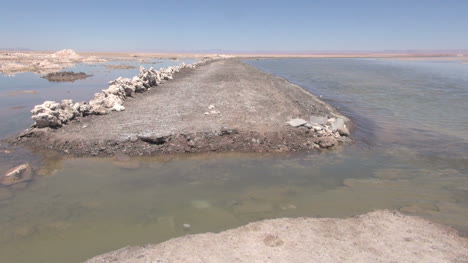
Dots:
(380, 236)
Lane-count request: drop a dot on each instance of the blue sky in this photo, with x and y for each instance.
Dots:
(240, 25)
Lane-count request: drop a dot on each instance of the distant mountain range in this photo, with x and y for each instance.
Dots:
(271, 52)
(312, 52)
(327, 52)
(15, 49)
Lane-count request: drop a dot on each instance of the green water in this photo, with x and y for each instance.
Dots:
(413, 159)
(85, 207)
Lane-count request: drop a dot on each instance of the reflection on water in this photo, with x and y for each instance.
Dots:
(409, 161)
(412, 103)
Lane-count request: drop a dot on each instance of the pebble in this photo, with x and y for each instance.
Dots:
(317, 128)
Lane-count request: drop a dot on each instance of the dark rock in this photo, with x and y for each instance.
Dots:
(227, 131)
(327, 142)
(154, 139)
(67, 76)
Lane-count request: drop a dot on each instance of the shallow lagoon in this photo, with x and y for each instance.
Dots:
(410, 155)
(15, 104)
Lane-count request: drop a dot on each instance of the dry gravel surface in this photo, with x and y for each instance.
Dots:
(222, 106)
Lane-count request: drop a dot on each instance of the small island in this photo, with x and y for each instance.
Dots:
(66, 76)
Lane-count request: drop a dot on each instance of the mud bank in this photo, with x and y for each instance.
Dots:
(221, 106)
(67, 76)
(380, 236)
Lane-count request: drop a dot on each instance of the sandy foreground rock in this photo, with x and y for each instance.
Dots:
(380, 236)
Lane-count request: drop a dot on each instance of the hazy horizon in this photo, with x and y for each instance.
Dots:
(259, 52)
(240, 27)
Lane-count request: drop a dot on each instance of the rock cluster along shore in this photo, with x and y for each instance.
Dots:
(55, 114)
(324, 127)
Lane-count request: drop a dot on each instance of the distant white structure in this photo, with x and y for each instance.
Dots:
(460, 55)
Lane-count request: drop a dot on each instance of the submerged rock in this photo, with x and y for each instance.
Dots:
(201, 204)
(18, 174)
